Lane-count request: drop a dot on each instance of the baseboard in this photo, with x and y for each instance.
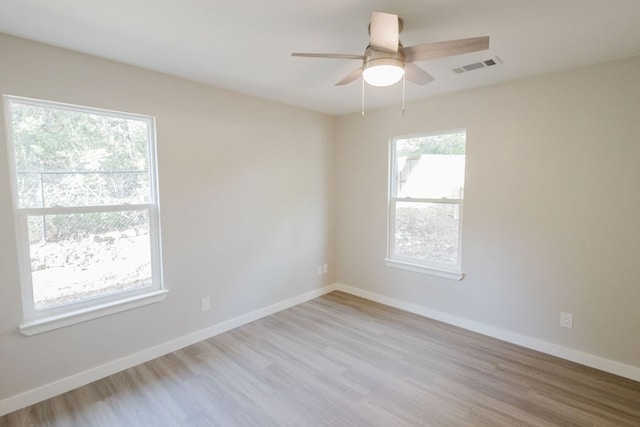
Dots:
(69, 383)
(587, 359)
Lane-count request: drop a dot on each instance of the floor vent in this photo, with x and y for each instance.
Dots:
(477, 65)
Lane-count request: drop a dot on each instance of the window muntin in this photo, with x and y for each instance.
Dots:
(425, 203)
(86, 206)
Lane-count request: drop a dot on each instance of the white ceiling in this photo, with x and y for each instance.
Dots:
(245, 45)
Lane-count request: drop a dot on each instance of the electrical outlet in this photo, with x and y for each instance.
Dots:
(325, 268)
(566, 320)
(205, 304)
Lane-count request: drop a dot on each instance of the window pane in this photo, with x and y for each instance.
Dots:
(430, 167)
(81, 256)
(427, 231)
(73, 158)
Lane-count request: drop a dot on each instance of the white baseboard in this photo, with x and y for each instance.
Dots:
(587, 359)
(69, 383)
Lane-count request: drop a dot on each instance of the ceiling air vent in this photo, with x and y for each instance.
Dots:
(477, 65)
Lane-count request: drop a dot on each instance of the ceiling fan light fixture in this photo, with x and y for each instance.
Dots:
(383, 72)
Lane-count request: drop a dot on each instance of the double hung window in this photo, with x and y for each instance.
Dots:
(86, 209)
(425, 203)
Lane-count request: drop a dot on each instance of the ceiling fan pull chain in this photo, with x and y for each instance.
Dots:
(362, 98)
(404, 84)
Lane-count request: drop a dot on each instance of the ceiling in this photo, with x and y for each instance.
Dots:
(245, 45)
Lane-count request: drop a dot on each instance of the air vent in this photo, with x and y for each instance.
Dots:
(477, 65)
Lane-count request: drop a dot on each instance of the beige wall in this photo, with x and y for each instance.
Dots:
(249, 207)
(551, 214)
(246, 206)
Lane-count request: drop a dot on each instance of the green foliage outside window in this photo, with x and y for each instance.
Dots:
(450, 143)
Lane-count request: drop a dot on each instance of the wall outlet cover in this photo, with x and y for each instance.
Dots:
(566, 320)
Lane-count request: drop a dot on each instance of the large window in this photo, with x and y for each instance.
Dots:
(425, 203)
(86, 210)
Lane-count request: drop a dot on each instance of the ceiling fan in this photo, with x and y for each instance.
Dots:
(385, 61)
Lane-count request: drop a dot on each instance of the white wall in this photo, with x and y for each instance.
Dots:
(246, 206)
(551, 214)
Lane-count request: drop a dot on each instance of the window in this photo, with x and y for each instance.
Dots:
(86, 210)
(425, 203)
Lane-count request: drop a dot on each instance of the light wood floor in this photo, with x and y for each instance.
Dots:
(342, 361)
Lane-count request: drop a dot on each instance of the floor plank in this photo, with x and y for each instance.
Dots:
(340, 360)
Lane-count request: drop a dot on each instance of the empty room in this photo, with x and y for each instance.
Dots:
(286, 213)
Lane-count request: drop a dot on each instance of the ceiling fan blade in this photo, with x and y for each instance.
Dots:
(424, 52)
(329, 55)
(384, 31)
(350, 77)
(415, 74)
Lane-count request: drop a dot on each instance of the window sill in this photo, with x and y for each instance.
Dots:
(37, 326)
(453, 275)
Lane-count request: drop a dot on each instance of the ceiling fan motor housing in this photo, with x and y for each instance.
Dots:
(374, 57)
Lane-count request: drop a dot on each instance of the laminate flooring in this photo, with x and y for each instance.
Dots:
(339, 360)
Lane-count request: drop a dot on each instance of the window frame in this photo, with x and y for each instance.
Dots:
(449, 271)
(41, 320)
